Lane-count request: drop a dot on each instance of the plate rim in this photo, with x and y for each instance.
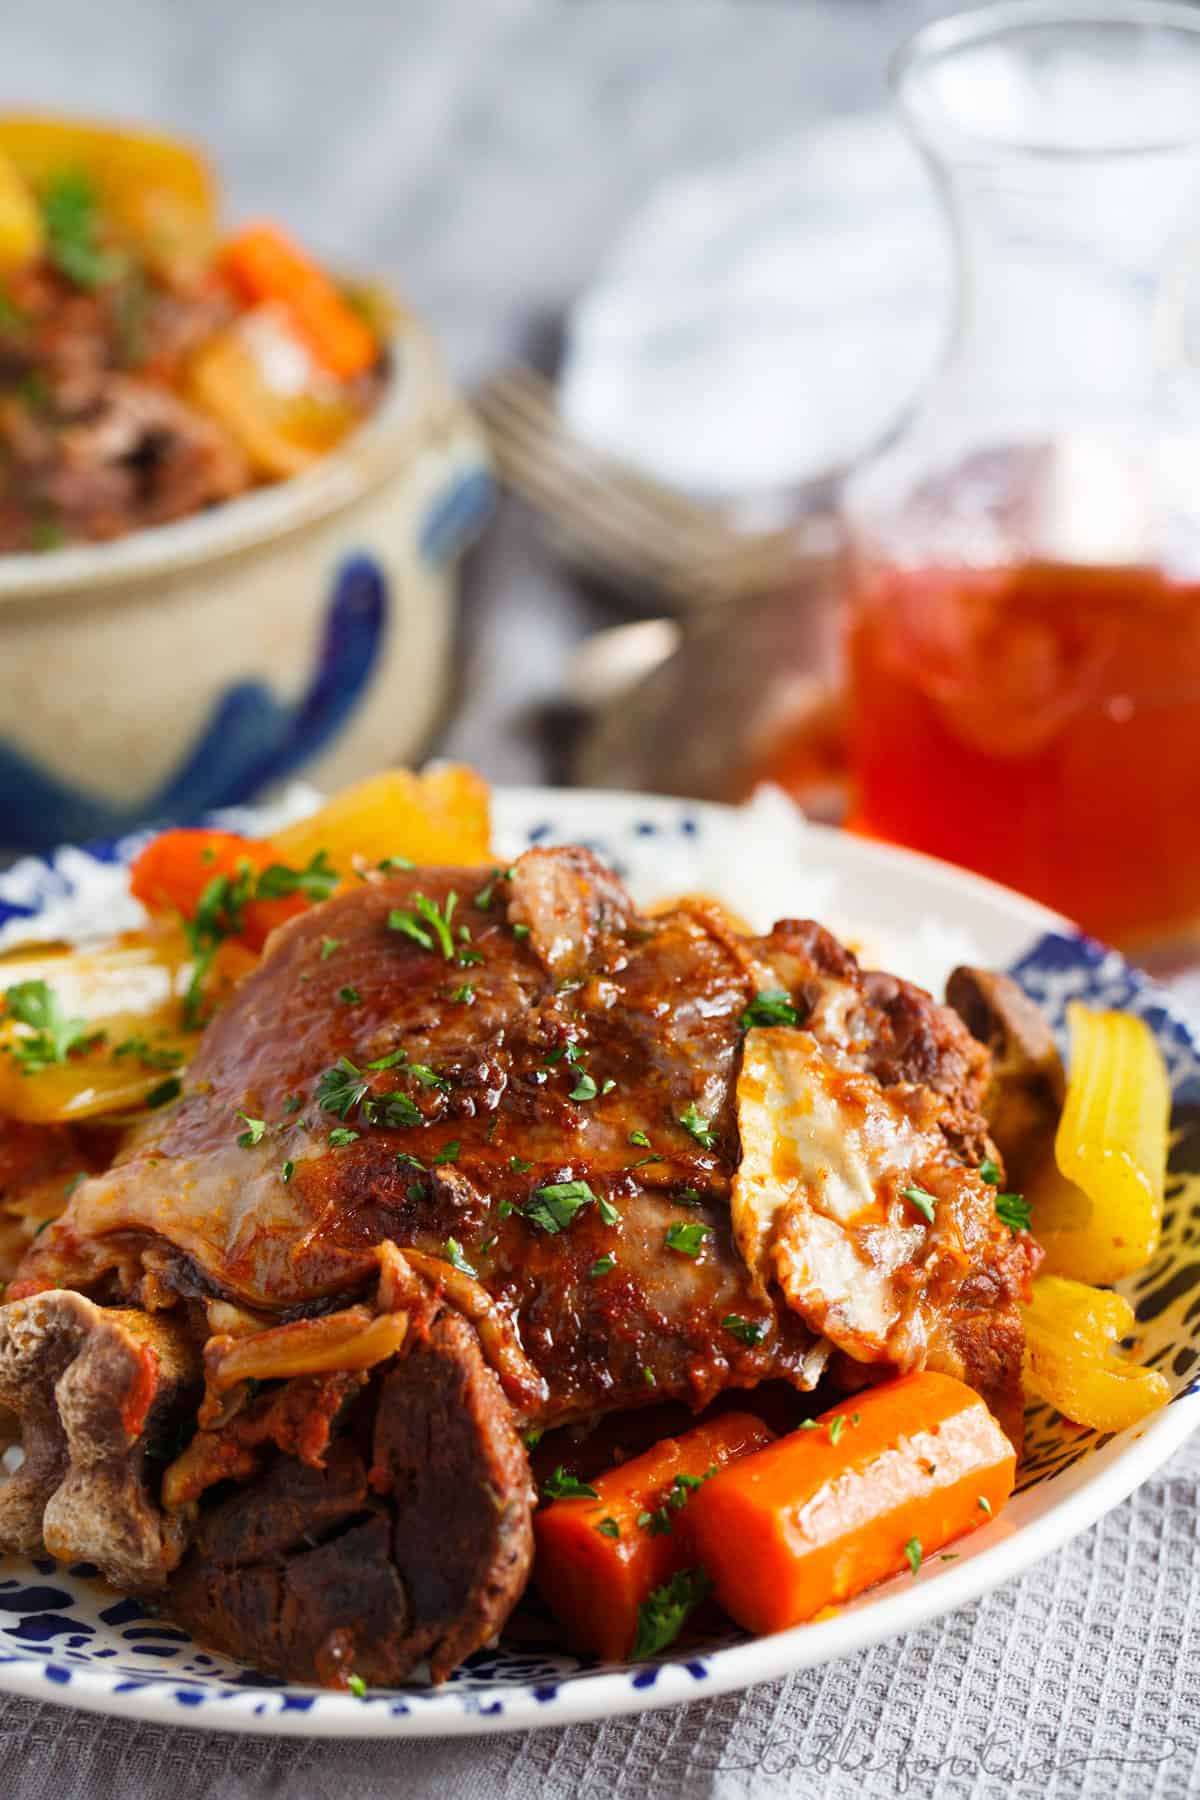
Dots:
(617, 1691)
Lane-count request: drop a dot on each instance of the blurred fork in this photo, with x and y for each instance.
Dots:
(632, 531)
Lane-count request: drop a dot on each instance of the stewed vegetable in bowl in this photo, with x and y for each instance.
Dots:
(154, 362)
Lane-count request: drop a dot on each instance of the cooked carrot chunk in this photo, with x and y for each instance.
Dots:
(599, 1559)
(886, 1478)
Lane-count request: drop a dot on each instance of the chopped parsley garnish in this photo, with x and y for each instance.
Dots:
(72, 219)
(342, 1088)
(609, 1528)
(286, 1173)
(608, 1212)
(662, 1615)
(256, 1130)
(316, 881)
(170, 1089)
(688, 1196)
(292, 1104)
(427, 1077)
(603, 1265)
(357, 1686)
(350, 996)
(464, 995)
(466, 959)
(985, 1504)
(913, 1552)
(639, 1138)
(836, 1427)
(52, 1036)
(396, 1111)
(657, 1523)
(448, 1152)
(386, 863)
(426, 921)
(989, 1171)
(649, 1377)
(328, 946)
(340, 1136)
(561, 1486)
(693, 1121)
(923, 1202)
(149, 1055)
(553, 1207)
(1014, 1211)
(520, 932)
(809, 1425)
(687, 1239)
(518, 1166)
(405, 1161)
(746, 1329)
(483, 898)
(585, 1088)
(772, 1006)
(390, 1061)
(453, 1254)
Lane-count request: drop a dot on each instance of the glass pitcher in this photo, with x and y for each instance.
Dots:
(1023, 623)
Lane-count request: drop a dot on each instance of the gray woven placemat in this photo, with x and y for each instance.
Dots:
(1081, 1678)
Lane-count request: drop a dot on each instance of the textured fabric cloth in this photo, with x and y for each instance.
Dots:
(1081, 1678)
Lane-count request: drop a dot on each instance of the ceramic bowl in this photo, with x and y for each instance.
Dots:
(303, 627)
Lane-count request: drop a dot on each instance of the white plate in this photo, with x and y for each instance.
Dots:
(64, 1637)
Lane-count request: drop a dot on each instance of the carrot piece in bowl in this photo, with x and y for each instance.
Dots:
(872, 1486)
(601, 1554)
(266, 265)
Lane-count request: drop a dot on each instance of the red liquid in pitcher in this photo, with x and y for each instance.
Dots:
(1040, 724)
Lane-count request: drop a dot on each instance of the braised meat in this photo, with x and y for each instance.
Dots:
(617, 1159)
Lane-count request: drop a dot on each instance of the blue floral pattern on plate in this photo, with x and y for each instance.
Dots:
(63, 1635)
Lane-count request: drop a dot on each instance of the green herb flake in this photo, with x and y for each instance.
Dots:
(746, 1329)
(809, 1425)
(464, 995)
(640, 1139)
(340, 1137)
(349, 996)
(1014, 1211)
(518, 1166)
(341, 1088)
(912, 1551)
(989, 1171)
(694, 1122)
(520, 932)
(603, 1265)
(448, 1152)
(687, 1239)
(561, 1486)
(357, 1686)
(836, 1427)
(328, 946)
(664, 1612)
(772, 1006)
(51, 1036)
(985, 1505)
(316, 881)
(554, 1207)
(585, 1088)
(608, 1212)
(453, 1254)
(426, 922)
(256, 1130)
(609, 1528)
(923, 1202)
(165, 1091)
(71, 215)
